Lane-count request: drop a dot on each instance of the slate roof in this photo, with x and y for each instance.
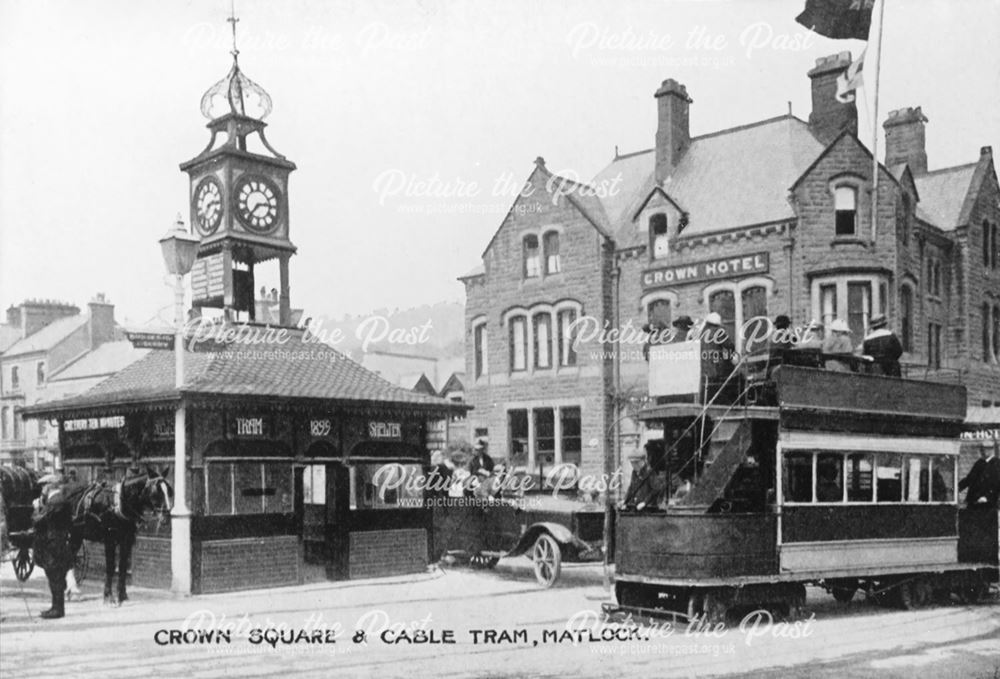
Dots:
(106, 359)
(295, 369)
(725, 180)
(943, 194)
(8, 335)
(48, 337)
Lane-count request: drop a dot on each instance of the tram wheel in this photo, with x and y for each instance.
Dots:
(972, 590)
(24, 564)
(547, 558)
(843, 595)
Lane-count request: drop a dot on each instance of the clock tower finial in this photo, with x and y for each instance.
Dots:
(233, 20)
(238, 197)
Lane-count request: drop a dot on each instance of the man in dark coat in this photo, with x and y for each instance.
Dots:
(883, 346)
(983, 480)
(52, 522)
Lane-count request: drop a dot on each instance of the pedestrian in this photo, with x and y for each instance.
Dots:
(836, 344)
(480, 466)
(440, 475)
(883, 346)
(782, 340)
(983, 480)
(52, 523)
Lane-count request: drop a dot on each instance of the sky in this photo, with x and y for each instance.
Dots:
(412, 122)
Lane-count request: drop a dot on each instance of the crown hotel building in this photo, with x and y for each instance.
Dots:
(771, 217)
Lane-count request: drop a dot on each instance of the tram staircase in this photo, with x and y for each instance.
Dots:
(726, 451)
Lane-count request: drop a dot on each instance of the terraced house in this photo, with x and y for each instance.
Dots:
(771, 217)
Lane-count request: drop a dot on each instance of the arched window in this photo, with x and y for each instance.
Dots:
(845, 200)
(723, 303)
(906, 317)
(659, 313)
(987, 326)
(567, 352)
(518, 343)
(552, 262)
(532, 260)
(479, 339)
(754, 305)
(996, 332)
(542, 327)
(658, 236)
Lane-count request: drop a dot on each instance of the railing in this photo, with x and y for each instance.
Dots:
(922, 371)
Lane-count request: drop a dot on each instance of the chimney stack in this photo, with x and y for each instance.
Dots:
(101, 324)
(830, 117)
(904, 139)
(35, 314)
(673, 134)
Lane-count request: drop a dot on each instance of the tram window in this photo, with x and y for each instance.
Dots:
(889, 478)
(915, 478)
(830, 477)
(798, 477)
(859, 477)
(942, 479)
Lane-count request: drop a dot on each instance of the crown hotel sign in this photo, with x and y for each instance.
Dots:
(714, 269)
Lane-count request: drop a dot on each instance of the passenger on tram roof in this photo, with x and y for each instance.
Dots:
(838, 342)
(883, 346)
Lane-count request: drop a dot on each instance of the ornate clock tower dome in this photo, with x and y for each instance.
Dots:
(238, 198)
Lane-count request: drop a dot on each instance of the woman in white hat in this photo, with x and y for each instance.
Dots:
(838, 341)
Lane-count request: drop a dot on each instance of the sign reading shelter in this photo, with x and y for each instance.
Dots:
(729, 267)
(392, 431)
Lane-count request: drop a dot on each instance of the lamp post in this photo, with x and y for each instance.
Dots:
(179, 251)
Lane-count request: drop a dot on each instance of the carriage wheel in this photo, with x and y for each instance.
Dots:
(843, 594)
(548, 560)
(80, 562)
(24, 563)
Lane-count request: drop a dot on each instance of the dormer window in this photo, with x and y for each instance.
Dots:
(532, 257)
(552, 262)
(845, 200)
(658, 236)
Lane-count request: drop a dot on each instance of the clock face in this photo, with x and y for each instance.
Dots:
(208, 206)
(257, 203)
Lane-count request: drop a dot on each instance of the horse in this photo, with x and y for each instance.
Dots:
(111, 514)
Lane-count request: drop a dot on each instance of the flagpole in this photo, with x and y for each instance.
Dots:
(878, 67)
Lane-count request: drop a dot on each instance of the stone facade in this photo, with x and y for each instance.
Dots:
(793, 236)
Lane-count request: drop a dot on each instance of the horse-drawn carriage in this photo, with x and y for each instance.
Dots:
(550, 530)
(20, 487)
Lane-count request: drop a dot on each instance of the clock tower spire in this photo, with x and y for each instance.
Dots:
(238, 197)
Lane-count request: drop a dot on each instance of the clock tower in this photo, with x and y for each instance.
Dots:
(238, 198)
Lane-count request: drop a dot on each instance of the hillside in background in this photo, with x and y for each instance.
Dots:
(398, 330)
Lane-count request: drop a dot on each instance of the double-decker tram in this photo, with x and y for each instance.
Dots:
(793, 475)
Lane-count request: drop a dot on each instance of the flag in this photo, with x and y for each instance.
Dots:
(850, 80)
(838, 19)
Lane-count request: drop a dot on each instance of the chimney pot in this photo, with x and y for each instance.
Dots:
(986, 151)
(905, 139)
(830, 117)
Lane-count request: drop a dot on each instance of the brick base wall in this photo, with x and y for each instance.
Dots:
(150, 562)
(250, 563)
(387, 552)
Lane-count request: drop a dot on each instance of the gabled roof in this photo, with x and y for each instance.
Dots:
(8, 335)
(423, 386)
(48, 337)
(296, 369)
(728, 179)
(846, 134)
(106, 359)
(454, 383)
(943, 195)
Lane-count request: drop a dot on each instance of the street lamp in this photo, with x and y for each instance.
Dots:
(180, 249)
